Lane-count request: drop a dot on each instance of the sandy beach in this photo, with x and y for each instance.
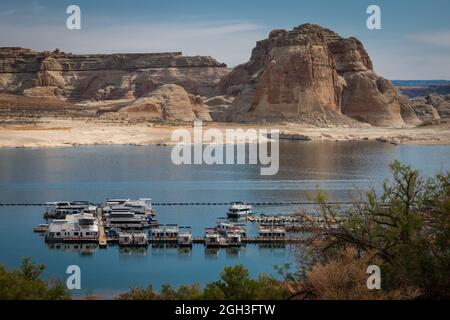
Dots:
(57, 132)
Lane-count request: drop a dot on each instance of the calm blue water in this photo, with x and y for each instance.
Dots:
(97, 173)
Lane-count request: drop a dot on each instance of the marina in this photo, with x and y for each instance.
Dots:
(133, 223)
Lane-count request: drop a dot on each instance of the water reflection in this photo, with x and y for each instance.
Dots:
(132, 251)
(84, 249)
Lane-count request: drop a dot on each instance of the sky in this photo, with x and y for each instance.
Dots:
(413, 43)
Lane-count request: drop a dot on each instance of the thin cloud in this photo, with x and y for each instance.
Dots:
(439, 38)
(7, 13)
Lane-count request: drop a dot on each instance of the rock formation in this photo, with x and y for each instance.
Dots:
(103, 76)
(432, 107)
(168, 102)
(312, 69)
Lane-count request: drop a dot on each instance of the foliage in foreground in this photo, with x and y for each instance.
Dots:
(235, 284)
(25, 284)
(405, 231)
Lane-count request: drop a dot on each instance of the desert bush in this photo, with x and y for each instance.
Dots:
(26, 284)
(407, 227)
(235, 284)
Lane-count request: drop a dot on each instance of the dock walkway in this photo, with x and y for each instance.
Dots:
(102, 239)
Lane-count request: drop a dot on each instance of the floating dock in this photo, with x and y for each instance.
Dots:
(201, 240)
(102, 239)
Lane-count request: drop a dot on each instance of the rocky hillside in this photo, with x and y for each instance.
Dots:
(311, 69)
(432, 107)
(103, 76)
(168, 102)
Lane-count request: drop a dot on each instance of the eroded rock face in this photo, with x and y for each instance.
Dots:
(312, 69)
(432, 107)
(168, 102)
(104, 76)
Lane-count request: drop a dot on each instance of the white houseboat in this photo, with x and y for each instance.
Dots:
(59, 210)
(234, 239)
(167, 232)
(229, 227)
(77, 227)
(126, 220)
(185, 238)
(142, 206)
(214, 238)
(239, 210)
(129, 214)
(271, 232)
(133, 239)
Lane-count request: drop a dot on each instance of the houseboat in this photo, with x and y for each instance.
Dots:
(166, 232)
(214, 239)
(133, 239)
(233, 239)
(185, 238)
(77, 227)
(271, 232)
(129, 214)
(59, 210)
(229, 227)
(126, 220)
(239, 210)
(142, 206)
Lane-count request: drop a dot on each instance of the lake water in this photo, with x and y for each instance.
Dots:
(101, 172)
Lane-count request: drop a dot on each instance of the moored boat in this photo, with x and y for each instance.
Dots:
(239, 210)
(184, 237)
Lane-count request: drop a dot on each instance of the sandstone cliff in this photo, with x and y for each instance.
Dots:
(432, 107)
(312, 69)
(103, 76)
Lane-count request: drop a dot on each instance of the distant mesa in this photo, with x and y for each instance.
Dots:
(100, 77)
(422, 88)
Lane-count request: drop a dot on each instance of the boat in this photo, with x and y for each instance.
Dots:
(230, 227)
(77, 227)
(239, 210)
(185, 238)
(271, 232)
(141, 206)
(233, 239)
(214, 239)
(60, 209)
(41, 228)
(129, 214)
(133, 239)
(126, 220)
(166, 232)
